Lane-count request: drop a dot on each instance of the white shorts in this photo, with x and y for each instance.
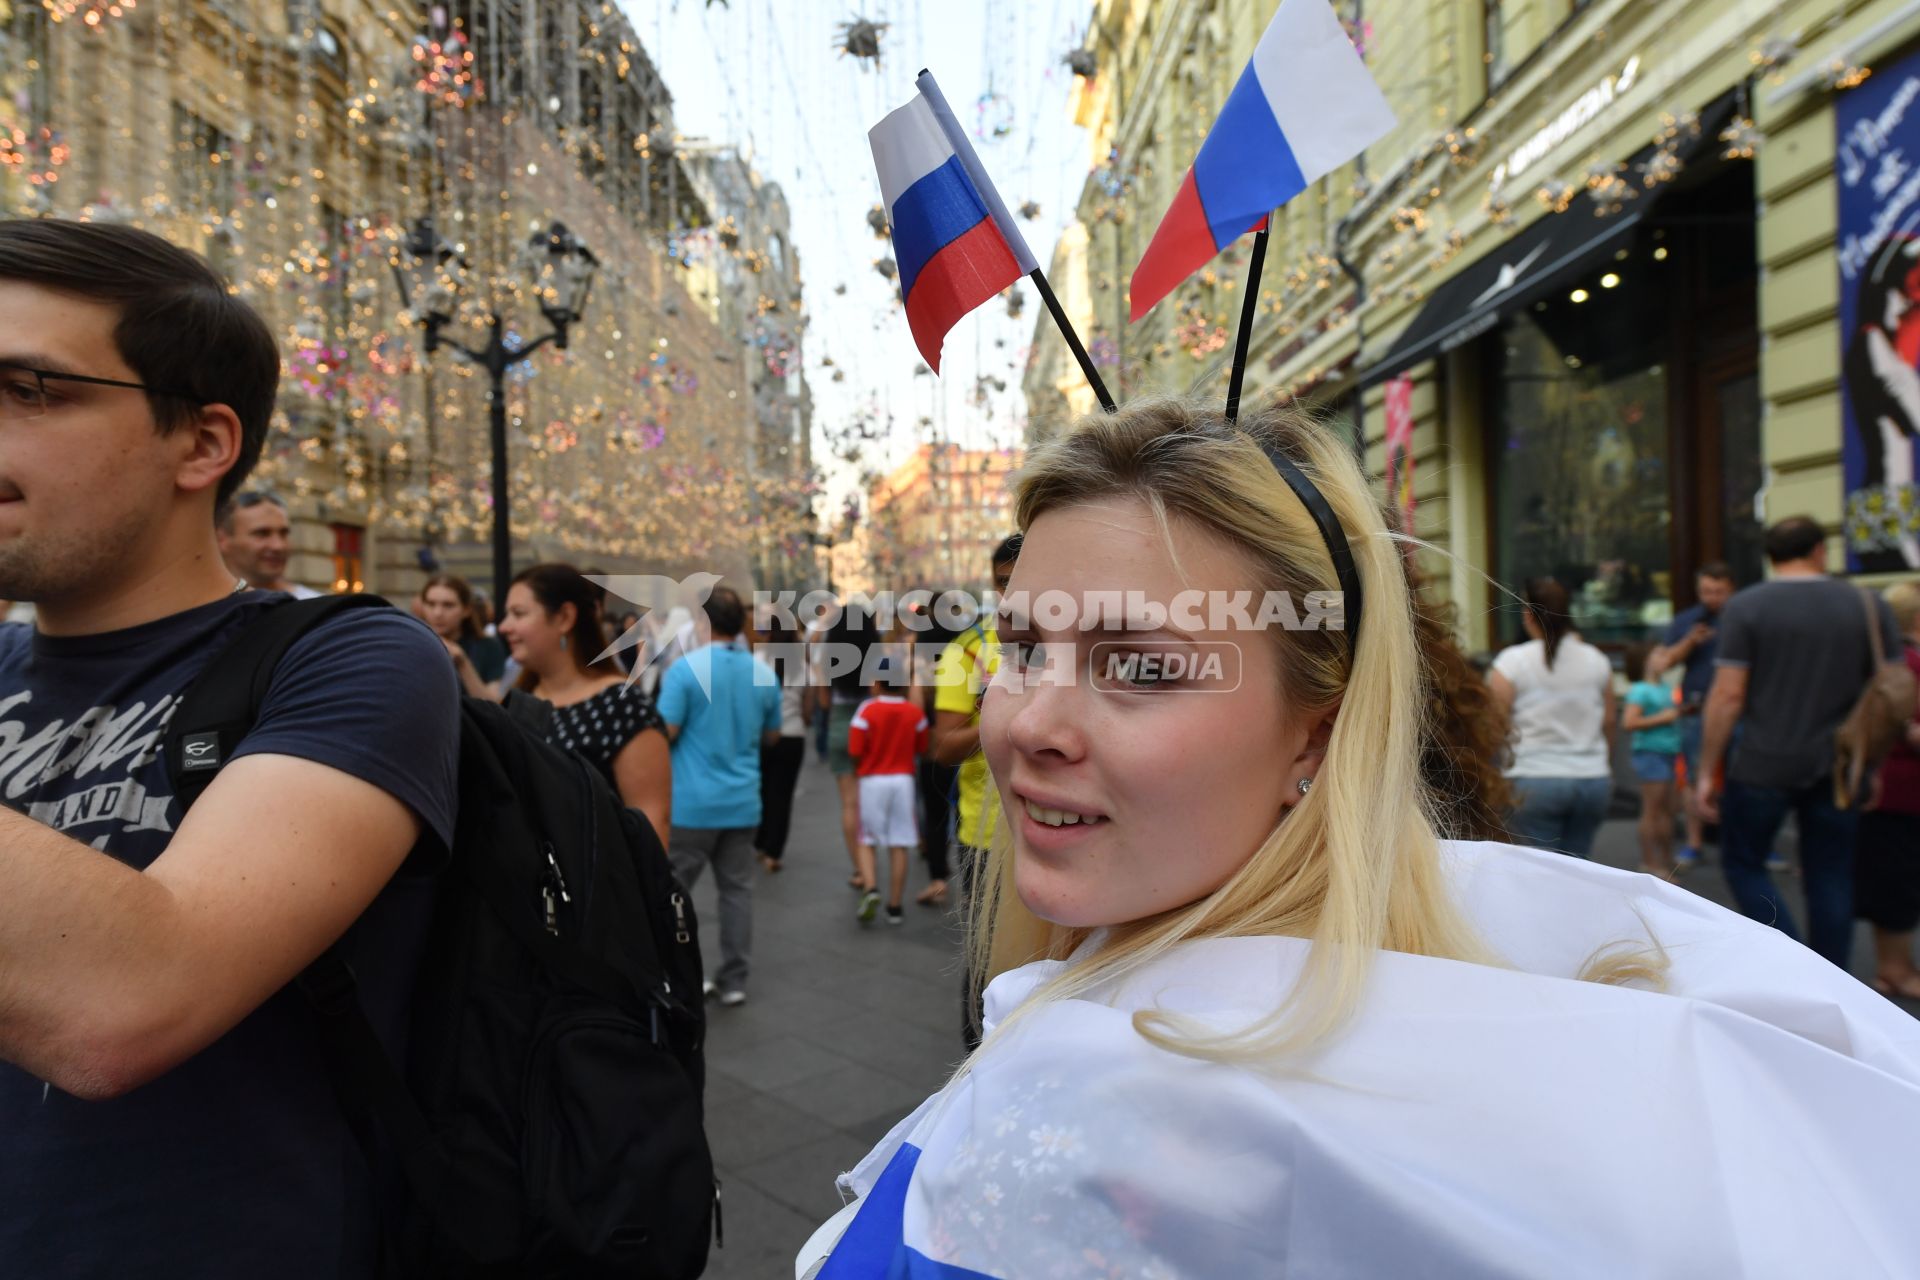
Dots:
(888, 811)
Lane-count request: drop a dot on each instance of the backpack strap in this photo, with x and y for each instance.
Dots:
(219, 709)
(223, 704)
(370, 1088)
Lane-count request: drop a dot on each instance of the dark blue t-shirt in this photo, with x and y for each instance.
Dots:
(237, 1163)
(1699, 674)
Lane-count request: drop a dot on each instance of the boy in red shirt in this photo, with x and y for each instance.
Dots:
(887, 735)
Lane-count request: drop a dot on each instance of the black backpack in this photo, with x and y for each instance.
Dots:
(548, 1122)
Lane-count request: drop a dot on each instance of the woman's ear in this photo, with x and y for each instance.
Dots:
(564, 617)
(1313, 754)
(1318, 735)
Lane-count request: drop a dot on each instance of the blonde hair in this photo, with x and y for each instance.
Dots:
(1904, 599)
(1355, 865)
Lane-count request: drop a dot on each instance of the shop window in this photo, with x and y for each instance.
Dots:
(1581, 456)
(305, 23)
(1742, 533)
(334, 243)
(24, 47)
(348, 571)
(1494, 30)
(331, 50)
(204, 180)
(1623, 418)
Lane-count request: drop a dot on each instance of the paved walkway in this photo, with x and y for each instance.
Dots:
(847, 1029)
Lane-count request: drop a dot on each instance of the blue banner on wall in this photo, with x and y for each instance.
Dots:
(1877, 167)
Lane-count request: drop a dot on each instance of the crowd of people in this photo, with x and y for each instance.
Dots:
(1246, 975)
(1244, 998)
(896, 723)
(1761, 723)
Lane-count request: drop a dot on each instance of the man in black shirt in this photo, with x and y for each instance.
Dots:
(1794, 656)
(162, 1107)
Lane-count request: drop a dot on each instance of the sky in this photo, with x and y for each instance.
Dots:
(768, 76)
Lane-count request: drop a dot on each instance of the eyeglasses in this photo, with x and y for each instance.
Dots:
(24, 394)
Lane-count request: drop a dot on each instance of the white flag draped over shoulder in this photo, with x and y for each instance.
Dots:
(1761, 1119)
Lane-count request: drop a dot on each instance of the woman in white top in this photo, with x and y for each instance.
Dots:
(1558, 689)
(1248, 1017)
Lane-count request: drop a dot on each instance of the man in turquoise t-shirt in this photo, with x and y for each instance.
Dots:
(721, 705)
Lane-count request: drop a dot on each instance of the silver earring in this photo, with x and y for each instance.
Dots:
(565, 643)
(1306, 785)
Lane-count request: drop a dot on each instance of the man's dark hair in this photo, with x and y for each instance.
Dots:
(1009, 549)
(224, 513)
(1794, 539)
(725, 612)
(180, 328)
(1718, 570)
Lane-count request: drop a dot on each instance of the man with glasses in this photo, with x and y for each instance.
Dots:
(255, 536)
(163, 1107)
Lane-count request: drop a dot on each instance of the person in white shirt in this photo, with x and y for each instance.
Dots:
(255, 536)
(1248, 1016)
(1558, 689)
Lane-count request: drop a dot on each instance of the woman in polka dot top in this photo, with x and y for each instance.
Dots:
(552, 627)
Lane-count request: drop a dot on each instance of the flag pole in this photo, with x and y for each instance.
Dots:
(997, 209)
(1059, 314)
(1248, 305)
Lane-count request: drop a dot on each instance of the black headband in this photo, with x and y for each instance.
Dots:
(1330, 533)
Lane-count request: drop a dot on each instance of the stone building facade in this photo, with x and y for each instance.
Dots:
(1612, 262)
(296, 143)
(934, 520)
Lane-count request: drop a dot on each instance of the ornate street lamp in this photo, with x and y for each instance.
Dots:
(430, 274)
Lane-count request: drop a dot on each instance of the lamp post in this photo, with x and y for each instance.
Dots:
(431, 273)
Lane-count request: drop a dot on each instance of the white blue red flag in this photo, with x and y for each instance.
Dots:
(1471, 1120)
(953, 240)
(1303, 107)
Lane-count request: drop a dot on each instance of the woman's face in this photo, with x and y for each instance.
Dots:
(1184, 779)
(532, 634)
(440, 607)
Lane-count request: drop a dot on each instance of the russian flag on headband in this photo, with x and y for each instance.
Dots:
(953, 240)
(1303, 107)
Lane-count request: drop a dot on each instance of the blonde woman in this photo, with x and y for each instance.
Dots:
(1248, 1016)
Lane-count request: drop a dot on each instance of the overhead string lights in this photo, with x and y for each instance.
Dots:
(92, 14)
(296, 155)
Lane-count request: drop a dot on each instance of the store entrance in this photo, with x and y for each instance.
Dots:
(1624, 418)
(1726, 524)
